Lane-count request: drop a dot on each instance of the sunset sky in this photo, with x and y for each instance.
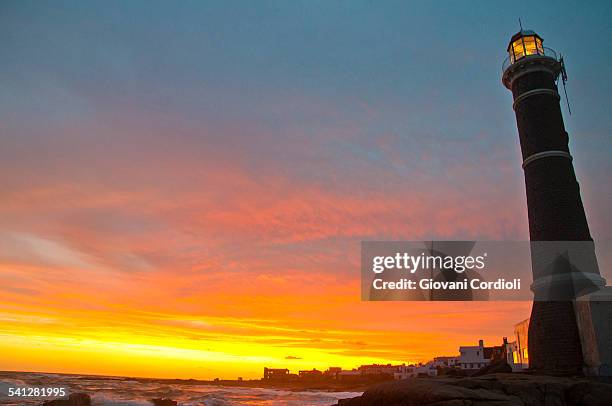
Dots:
(184, 185)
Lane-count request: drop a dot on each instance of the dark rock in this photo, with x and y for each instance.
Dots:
(164, 402)
(75, 399)
(488, 390)
(500, 367)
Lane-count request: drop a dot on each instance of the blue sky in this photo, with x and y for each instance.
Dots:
(339, 79)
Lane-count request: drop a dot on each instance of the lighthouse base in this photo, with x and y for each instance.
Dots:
(554, 339)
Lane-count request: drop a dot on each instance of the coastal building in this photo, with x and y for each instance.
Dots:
(473, 357)
(311, 375)
(332, 372)
(496, 353)
(276, 374)
(404, 372)
(376, 369)
(428, 369)
(446, 362)
(413, 371)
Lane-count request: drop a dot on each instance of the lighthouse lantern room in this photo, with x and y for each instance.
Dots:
(524, 43)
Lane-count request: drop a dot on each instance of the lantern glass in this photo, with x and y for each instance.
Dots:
(525, 46)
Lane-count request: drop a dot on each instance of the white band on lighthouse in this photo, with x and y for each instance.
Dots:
(545, 282)
(533, 93)
(546, 154)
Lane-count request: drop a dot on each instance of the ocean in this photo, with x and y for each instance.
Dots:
(117, 391)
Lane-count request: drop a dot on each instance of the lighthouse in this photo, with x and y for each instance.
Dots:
(563, 254)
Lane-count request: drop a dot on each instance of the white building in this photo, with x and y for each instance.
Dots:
(446, 362)
(412, 371)
(406, 371)
(473, 357)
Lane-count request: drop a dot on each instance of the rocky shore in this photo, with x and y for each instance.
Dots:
(493, 390)
(83, 399)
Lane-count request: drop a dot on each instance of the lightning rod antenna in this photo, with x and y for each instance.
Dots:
(564, 80)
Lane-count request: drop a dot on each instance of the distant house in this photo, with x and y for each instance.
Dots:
(496, 353)
(473, 357)
(479, 356)
(313, 374)
(332, 372)
(276, 374)
(428, 369)
(446, 362)
(404, 372)
(412, 371)
(376, 369)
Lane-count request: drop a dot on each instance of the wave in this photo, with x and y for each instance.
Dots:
(110, 400)
(114, 391)
(6, 383)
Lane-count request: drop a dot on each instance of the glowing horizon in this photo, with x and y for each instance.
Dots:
(162, 345)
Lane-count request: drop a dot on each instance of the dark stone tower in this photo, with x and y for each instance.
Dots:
(563, 255)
